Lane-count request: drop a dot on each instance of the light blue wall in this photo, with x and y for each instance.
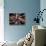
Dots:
(29, 7)
(43, 6)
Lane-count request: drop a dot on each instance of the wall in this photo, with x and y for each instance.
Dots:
(1, 21)
(29, 7)
(43, 6)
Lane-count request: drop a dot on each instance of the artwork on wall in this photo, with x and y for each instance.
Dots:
(39, 16)
(16, 18)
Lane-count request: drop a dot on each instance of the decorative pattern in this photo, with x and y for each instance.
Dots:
(28, 40)
(39, 16)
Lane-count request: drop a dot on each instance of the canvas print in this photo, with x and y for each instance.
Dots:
(16, 18)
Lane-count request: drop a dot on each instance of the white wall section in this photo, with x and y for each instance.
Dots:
(1, 20)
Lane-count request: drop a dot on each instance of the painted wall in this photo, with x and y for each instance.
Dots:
(29, 7)
(1, 21)
(43, 6)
